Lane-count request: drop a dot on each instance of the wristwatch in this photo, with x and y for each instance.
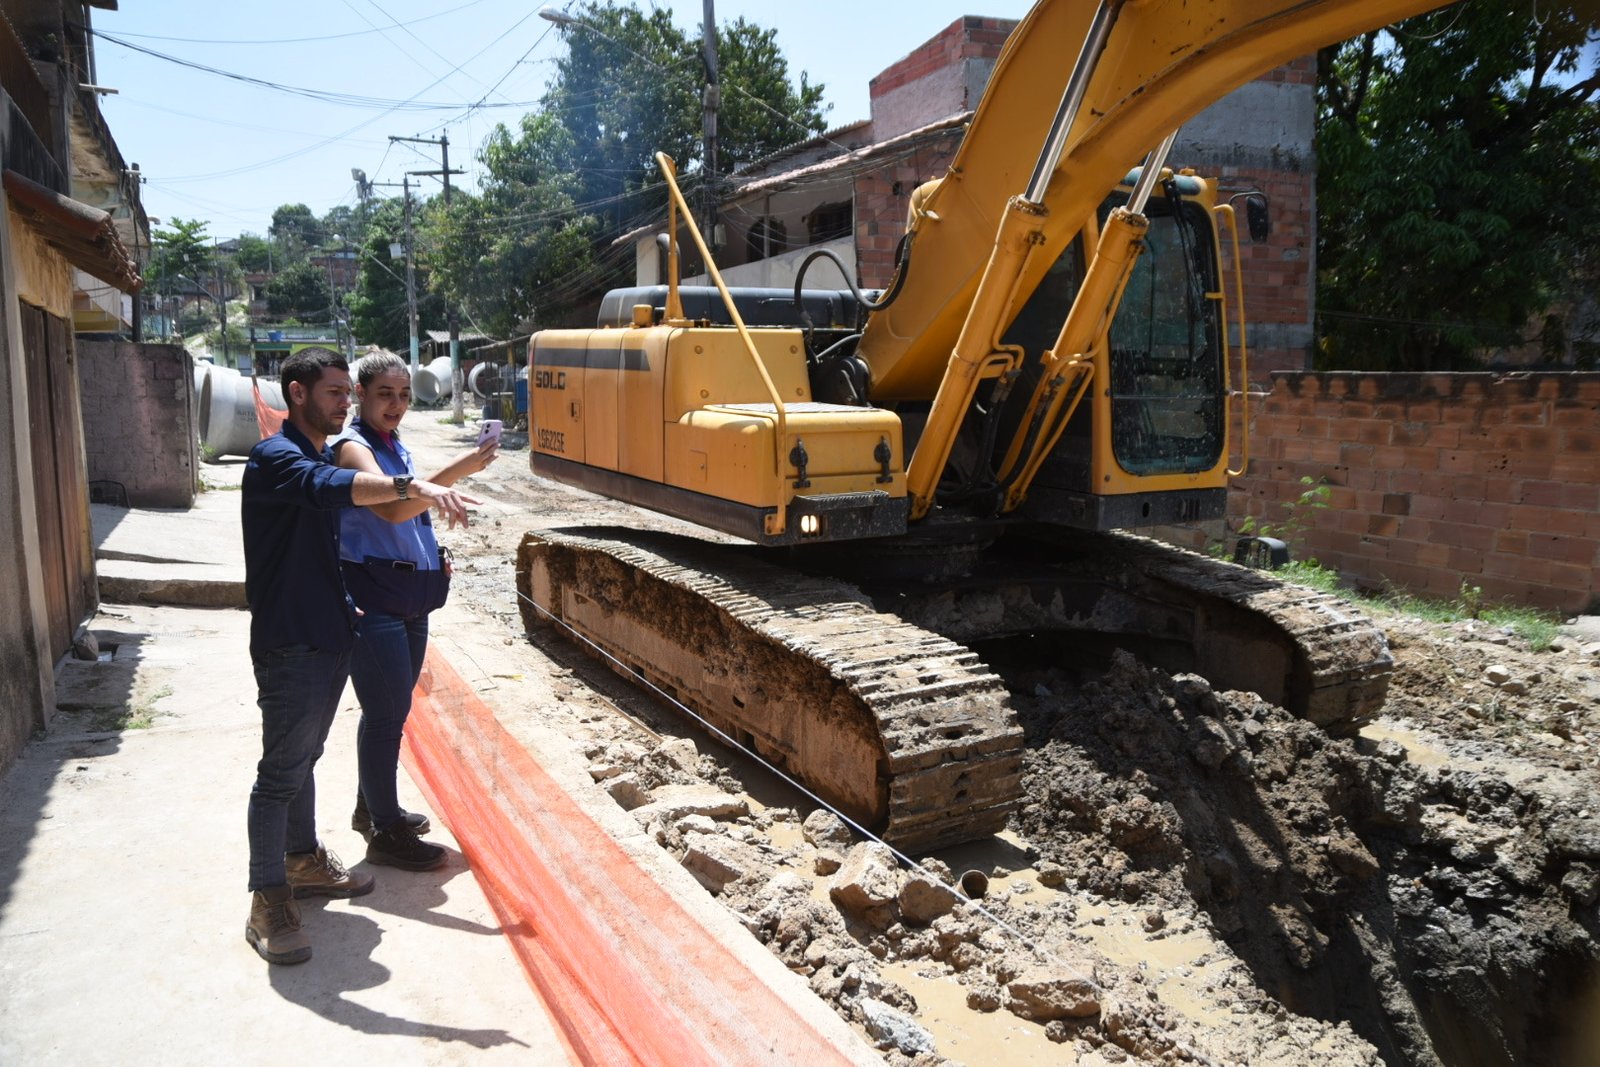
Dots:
(402, 482)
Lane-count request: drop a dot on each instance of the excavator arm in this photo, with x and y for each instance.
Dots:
(1144, 68)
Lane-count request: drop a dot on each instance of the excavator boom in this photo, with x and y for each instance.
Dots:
(1162, 62)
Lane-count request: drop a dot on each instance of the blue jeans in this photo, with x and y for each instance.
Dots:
(384, 668)
(298, 688)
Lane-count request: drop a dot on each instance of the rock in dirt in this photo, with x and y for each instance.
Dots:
(868, 883)
(890, 1027)
(822, 829)
(924, 897)
(1042, 994)
(716, 860)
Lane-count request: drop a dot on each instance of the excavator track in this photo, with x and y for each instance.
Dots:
(900, 728)
(1310, 652)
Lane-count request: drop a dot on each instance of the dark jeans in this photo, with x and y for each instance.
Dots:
(384, 668)
(298, 688)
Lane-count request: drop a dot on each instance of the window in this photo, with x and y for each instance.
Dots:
(767, 237)
(830, 222)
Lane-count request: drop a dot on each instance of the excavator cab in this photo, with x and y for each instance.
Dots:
(1150, 444)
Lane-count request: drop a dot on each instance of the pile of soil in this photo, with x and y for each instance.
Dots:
(1195, 876)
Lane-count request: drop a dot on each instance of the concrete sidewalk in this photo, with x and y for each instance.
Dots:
(123, 859)
(123, 856)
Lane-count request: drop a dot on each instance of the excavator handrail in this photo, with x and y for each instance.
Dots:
(1225, 211)
(778, 522)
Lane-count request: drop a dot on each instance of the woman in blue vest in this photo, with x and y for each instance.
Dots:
(396, 574)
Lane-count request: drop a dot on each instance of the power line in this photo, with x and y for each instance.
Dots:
(454, 68)
(295, 40)
(221, 122)
(323, 95)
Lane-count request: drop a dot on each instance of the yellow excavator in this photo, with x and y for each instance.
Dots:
(901, 475)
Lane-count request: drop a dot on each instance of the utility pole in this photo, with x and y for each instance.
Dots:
(222, 307)
(457, 405)
(344, 304)
(411, 276)
(411, 271)
(711, 100)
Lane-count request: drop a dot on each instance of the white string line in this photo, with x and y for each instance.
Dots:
(972, 905)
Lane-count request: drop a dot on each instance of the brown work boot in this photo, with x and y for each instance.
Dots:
(320, 874)
(274, 927)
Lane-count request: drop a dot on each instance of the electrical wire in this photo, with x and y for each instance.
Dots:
(455, 68)
(293, 40)
(323, 95)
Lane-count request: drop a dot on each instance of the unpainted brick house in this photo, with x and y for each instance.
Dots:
(848, 190)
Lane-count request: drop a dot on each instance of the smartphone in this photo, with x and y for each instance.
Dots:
(488, 430)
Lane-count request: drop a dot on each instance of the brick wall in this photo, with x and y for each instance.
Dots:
(968, 37)
(140, 428)
(1439, 479)
(883, 195)
(1259, 138)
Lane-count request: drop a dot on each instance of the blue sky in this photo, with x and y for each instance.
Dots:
(229, 151)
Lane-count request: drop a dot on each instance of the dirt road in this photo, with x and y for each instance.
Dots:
(1196, 876)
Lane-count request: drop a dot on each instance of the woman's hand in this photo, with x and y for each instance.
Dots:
(478, 459)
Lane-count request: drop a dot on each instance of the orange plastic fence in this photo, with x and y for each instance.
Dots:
(629, 976)
(269, 419)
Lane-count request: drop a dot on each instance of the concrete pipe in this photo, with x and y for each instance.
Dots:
(201, 369)
(228, 425)
(432, 383)
(482, 379)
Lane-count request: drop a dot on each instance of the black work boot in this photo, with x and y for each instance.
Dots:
(361, 820)
(398, 846)
(274, 926)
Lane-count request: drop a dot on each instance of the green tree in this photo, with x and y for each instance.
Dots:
(537, 244)
(760, 111)
(378, 306)
(300, 290)
(523, 250)
(254, 254)
(347, 222)
(181, 249)
(1458, 153)
(296, 230)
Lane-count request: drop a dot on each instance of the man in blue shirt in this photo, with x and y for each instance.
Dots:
(302, 628)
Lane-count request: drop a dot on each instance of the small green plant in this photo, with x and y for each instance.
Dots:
(135, 715)
(1538, 628)
(1299, 514)
(1309, 572)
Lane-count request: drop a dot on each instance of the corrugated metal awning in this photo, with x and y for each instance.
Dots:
(85, 235)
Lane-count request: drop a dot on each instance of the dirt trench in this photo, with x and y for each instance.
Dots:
(1196, 876)
(1445, 914)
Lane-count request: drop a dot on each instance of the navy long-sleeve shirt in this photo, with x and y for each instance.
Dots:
(291, 498)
